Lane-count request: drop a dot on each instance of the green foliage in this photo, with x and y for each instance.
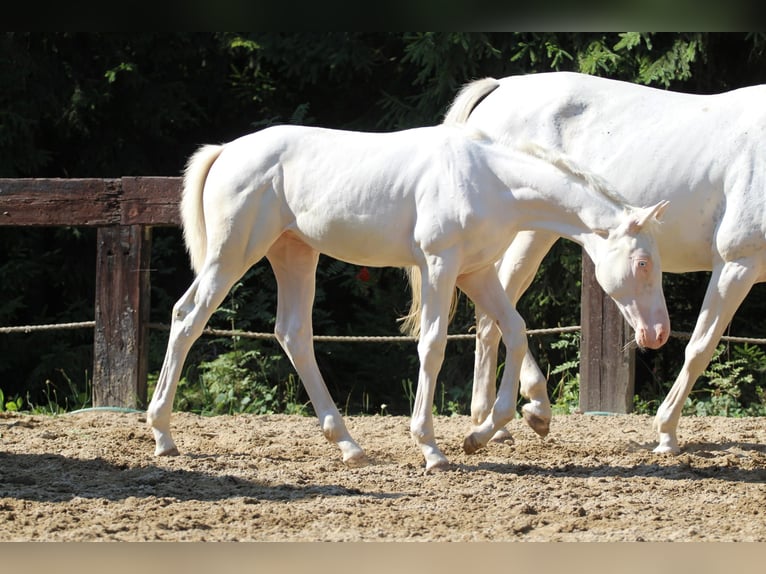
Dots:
(728, 387)
(565, 376)
(11, 405)
(240, 381)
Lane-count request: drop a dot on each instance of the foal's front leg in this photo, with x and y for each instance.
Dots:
(437, 284)
(485, 290)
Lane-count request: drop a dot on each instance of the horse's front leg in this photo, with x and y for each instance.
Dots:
(485, 290)
(728, 287)
(516, 271)
(294, 264)
(437, 286)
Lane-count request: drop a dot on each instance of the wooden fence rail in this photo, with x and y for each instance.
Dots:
(126, 209)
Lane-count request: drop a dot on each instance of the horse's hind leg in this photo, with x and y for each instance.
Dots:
(485, 290)
(294, 264)
(516, 271)
(190, 315)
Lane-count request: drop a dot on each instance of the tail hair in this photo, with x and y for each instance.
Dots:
(468, 98)
(410, 323)
(192, 214)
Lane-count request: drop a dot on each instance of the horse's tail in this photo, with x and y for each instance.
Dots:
(192, 216)
(468, 98)
(410, 323)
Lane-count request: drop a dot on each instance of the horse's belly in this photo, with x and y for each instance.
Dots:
(685, 241)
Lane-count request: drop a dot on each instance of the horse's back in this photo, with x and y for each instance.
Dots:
(590, 111)
(650, 144)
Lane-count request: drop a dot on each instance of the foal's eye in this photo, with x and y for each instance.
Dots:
(642, 265)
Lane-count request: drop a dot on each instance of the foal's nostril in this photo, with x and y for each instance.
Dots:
(662, 336)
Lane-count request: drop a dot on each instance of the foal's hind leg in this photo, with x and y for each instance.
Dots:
(294, 264)
(190, 315)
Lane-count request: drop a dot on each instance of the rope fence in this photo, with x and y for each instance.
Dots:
(340, 338)
(256, 335)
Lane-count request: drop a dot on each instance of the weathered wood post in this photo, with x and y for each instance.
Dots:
(120, 357)
(607, 374)
(123, 286)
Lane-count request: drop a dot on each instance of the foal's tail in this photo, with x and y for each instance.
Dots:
(410, 323)
(192, 216)
(468, 98)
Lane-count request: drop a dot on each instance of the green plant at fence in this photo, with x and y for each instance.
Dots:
(11, 404)
(730, 388)
(565, 394)
(72, 397)
(240, 381)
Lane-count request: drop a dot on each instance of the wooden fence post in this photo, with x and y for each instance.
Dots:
(607, 374)
(122, 316)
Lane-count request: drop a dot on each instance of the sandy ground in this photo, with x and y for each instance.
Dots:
(91, 476)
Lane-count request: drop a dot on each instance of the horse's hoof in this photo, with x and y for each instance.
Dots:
(502, 437)
(357, 460)
(471, 444)
(538, 424)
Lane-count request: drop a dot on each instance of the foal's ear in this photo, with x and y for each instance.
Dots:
(659, 209)
(646, 214)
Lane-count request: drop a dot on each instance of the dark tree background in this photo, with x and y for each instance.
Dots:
(110, 105)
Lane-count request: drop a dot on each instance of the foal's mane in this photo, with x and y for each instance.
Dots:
(555, 158)
(571, 167)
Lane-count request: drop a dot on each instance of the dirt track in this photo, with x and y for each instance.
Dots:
(92, 476)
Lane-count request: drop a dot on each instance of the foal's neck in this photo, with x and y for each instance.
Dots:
(560, 198)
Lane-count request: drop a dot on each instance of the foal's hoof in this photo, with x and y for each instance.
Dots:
(471, 444)
(440, 466)
(538, 424)
(667, 445)
(173, 451)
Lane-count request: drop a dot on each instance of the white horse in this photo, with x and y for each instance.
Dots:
(443, 199)
(703, 153)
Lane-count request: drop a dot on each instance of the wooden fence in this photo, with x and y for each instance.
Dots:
(126, 209)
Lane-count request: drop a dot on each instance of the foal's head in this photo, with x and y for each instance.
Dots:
(628, 269)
